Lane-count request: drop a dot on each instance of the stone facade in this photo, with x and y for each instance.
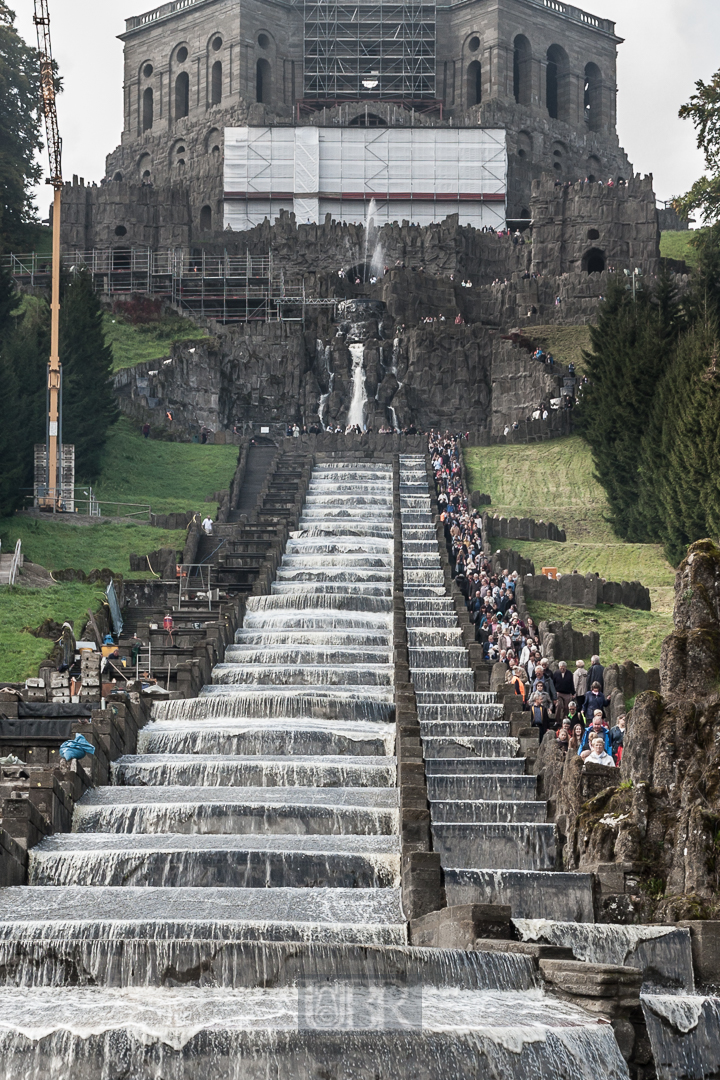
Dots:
(544, 73)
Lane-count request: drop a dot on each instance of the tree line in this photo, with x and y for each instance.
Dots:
(651, 409)
(88, 403)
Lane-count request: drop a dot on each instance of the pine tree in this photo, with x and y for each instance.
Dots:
(19, 133)
(683, 480)
(88, 400)
(23, 377)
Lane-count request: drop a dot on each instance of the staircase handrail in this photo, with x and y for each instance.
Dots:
(15, 562)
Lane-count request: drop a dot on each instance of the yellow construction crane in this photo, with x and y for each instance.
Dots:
(50, 493)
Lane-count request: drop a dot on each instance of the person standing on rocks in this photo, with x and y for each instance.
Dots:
(565, 687)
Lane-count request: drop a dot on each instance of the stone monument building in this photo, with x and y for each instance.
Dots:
(541, 71)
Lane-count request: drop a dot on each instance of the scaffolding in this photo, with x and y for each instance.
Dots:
(228, 288)
(369, 50)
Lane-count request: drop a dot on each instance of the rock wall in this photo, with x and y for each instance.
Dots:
(619, 223)
(521, 529)
(650, 829)
(586, 591)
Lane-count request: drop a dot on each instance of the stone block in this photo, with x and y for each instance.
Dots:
(705, 939)
(422, 885)
(460, 927)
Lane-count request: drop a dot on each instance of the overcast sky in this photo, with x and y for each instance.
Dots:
(668, 45)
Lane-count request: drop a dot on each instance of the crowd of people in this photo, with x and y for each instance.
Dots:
(572, 705)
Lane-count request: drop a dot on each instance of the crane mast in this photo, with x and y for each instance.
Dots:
(50, 497)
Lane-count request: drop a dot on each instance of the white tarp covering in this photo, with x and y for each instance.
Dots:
(418, 174)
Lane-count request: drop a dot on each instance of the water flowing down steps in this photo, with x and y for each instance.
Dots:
(490, 830)
(231, 906)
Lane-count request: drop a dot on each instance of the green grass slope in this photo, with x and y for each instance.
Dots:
(57, 545)
(171, 477)
(554, 481)
(138, 343)
(678, 245)
(23, 609)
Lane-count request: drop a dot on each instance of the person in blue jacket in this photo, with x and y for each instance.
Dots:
(597, 728)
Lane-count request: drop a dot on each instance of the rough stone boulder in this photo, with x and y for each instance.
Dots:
(690, 662)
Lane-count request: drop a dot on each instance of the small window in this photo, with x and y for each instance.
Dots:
(557, 153)
(117, 176)
(264, 77)
(474, 44)
(147, 109)
(217, 44)
(148, 70)
(180, 150)
(120, 230)
(474, 84)
(263, 41)
(146, 175)
(182, 55)
(557, 167)
(593, 234)
(182, 95)
(521, 153)
(206, 219)
(216, 83)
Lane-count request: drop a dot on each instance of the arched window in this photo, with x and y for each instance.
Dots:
(206, 219)
(593, 97)
(117, 177)
(593, 261)
(216, 83)
(182, 95)
(368, 120)
(474, 84)
(557, 86)
(264, 82)
(147, 109)
(522, 64)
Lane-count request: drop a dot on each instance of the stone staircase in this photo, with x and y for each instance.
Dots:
(490, 829)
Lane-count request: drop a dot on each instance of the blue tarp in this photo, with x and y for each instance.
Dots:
(76, 748)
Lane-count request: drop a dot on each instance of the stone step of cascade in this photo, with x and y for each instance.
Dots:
(305, 654)
(531, 894)
(461, 697)
(288, 604)
(459, 713)
(431, 605)
(327, 589)
(114, 914)
(495, 846)
(420, 547)
(319, 529)
(474, 766)
(443, 678)
(426, 533)
(281, 735)
(333, 573)
(354, 639)
(434, 656)
(480, 729)
(228, 770)
(298, 675)
(483, 811)
(424, 577)
(433, 639)
(467, 746)
(443, 788)
(227, 1033)
(312, 563)
(424, 591)
(241, 862)
(367, 515)
(269, 702)
(239, 810)
(427, 620)
(321, 546)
